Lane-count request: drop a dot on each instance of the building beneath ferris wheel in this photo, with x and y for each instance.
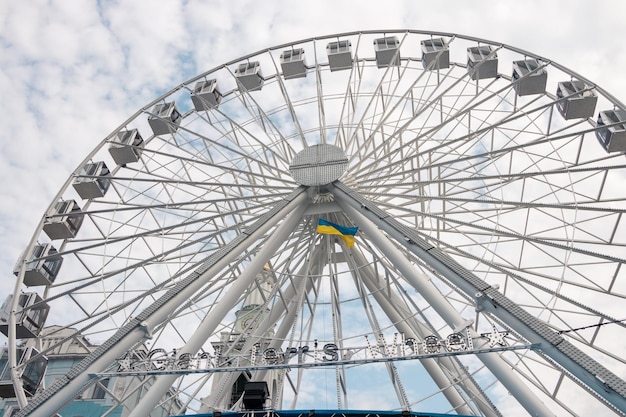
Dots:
(64, 348)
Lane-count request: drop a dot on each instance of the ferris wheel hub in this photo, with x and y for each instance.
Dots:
(318, 165)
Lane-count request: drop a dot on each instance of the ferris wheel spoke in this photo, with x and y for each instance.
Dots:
(222, 170)
(539, 283)
(542, 242)
(267, 125)
(395, 138)
(498, 209)
(246, 141)
(377, 96)
(289, 104)
(477, 134)
(491, 157)
(224, 229)
(214, 169)
(389, 95)
(465, 185)
(77, 289)
(348, 109)
(464, 110)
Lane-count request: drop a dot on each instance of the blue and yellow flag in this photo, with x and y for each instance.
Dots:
(345, 233)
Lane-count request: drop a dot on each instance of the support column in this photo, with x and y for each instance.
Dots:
(422, 285)
(290, 293)
(577, 363)
(69, 386)
(406, 323)
(227, 302)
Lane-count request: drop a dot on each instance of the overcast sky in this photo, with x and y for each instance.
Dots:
(71, 71)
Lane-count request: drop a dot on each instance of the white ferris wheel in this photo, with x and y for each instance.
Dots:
(398, 220)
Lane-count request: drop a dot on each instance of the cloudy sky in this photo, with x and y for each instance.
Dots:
(71, 71)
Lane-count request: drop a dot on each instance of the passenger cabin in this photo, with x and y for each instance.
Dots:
(529, 77)
(482, 62)
(31, 315)
(435, 54)
(205, 95)
(164, 119)
(32, 374)
(339, 55)
(126, 147)
(576, 100)
(292, 63)
(64, 221)
(387, 51)
(42, 266)
(611, 130)
(249, 76)
(93, 181)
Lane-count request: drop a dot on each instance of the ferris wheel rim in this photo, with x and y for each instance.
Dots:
(285, 180)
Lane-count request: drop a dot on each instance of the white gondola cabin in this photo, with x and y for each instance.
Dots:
(93, 181)
(435, 54)
(387, 51)
(205, 95)
(292, 63)
(126, 147)
(249, 76)
(31, 315)
(42, 266)
(339, 55)
(529, 77)
(482, 62)
(64, 221)
(611, 130)
(32, 374)
(576, 100)
(164, 118)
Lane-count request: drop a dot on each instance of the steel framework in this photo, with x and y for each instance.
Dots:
(486, 184)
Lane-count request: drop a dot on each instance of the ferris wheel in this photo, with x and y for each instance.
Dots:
(398, 220)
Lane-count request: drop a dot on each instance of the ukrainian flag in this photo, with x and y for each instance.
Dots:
(345, 233)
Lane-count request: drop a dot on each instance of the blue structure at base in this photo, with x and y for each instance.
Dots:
(323, 413)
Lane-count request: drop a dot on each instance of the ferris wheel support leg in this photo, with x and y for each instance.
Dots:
(66, 388)
(227, 302)
(215, 400)
(406, 323)
(599, 380)
(292, 294)
(422, 284)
